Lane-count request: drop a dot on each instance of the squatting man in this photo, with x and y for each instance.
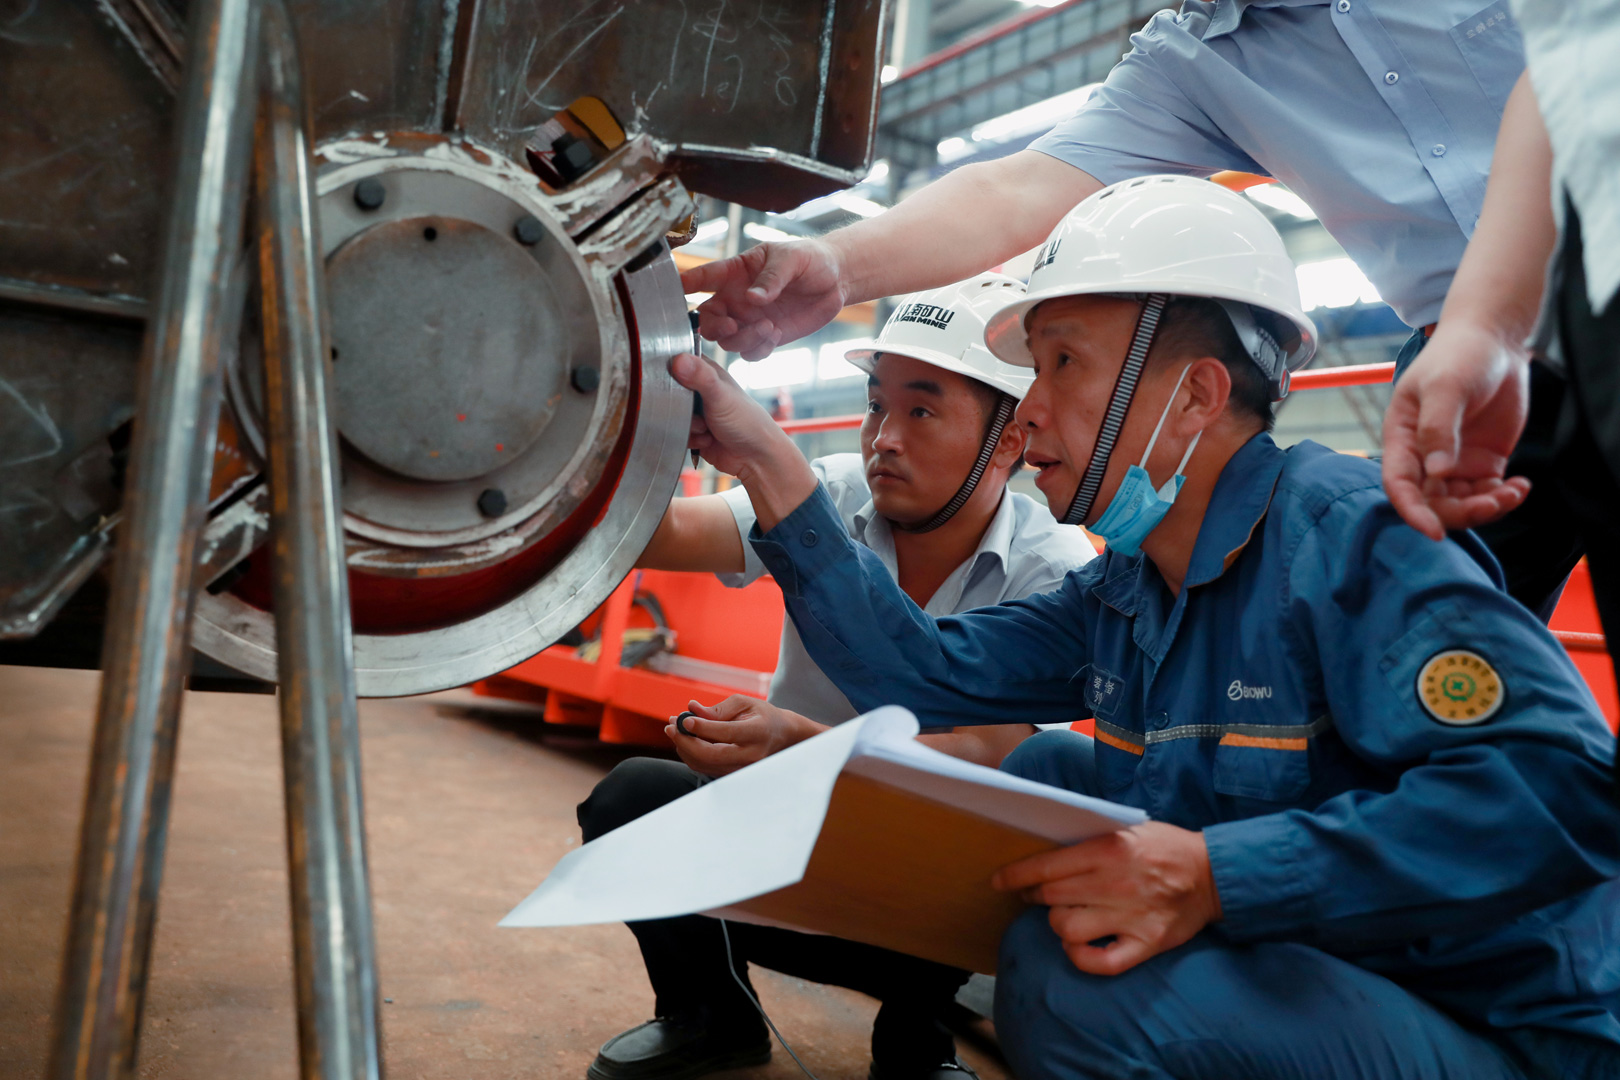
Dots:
(1395, 860)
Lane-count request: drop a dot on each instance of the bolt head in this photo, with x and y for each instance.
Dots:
(585, 379)
(369, 194)
(492, 502)
(571, 157)
(528, 230)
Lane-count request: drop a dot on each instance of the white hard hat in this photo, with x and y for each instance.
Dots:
(945, 328)
(1176, 235)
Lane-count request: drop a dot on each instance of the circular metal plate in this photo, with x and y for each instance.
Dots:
(392, 665)
(450, 346)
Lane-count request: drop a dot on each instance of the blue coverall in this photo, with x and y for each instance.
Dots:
(1402, 895)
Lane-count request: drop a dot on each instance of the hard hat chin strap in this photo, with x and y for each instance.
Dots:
(1119, 404)
(1004, 412)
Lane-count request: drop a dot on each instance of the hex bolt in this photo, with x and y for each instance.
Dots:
(585, 379)
(571, 157)
(492, 502)
(369, 193)
(528, 230)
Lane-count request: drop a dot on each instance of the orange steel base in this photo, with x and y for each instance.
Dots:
(741, 628)
(736, 627)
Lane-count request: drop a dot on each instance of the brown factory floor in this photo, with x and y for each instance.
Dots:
(465, 813)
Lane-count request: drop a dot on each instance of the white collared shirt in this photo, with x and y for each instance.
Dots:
(1574, 52)
(1023, 552)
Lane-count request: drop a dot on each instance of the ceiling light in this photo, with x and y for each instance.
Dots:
(713, 229)
(830, 362)
(890, 73)
(755, 231)
(784, 367)
(1039, 117)
(856, 205)
(952, 148)
(879, 173)
(1280, 198)
(1334, 283)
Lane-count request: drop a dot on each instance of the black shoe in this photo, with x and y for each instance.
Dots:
(678, 1049)
(955, 1069)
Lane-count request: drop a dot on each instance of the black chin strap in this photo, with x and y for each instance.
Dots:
(1004, 411)
(1118, 404)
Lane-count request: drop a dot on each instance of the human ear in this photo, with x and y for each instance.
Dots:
(1208, 386)
(1010, 448)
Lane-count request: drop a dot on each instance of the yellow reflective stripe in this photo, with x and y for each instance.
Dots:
(1117, 743)
(1233, 739)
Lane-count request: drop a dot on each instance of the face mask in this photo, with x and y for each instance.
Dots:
(1136, 509)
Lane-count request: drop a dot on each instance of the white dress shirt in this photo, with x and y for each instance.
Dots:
(1573, 48)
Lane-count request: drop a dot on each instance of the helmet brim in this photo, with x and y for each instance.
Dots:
(1006, 336)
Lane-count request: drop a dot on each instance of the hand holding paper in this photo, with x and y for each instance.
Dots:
(860, 832)
(1140, 891)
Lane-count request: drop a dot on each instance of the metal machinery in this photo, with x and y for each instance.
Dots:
(319, 306)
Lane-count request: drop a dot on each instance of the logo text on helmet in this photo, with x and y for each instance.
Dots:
(927, 314)
(1046, 254)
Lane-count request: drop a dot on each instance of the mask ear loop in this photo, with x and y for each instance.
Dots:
(1153, 440)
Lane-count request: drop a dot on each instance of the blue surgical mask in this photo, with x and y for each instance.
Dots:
(1136, 508)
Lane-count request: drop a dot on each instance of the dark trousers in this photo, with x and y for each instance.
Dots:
(686, 957)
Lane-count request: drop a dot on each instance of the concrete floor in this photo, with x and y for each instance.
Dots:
(465, 814)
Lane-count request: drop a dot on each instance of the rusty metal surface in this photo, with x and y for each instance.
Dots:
(334, 947)
(105, 965)
(84, 151)
(390, 665)
(63, 386)
(768, 103)
(744, 90)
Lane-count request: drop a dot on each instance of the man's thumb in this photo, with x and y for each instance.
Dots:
(694, 372)
(774, 276)
(1439, 427)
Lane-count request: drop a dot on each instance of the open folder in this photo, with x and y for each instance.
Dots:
(861, 832)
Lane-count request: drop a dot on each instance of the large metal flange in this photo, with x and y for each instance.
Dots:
(488, 336)
(476, 351)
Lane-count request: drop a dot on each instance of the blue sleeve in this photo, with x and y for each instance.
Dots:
(1017, 662)
(1140, 121)
(1480, 823)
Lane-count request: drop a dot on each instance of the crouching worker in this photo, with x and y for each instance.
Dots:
(927, 498)
(1384, 837)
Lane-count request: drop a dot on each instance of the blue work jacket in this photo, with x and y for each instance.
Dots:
(1278, 704)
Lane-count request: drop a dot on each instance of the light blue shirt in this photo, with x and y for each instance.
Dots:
(1381, 114)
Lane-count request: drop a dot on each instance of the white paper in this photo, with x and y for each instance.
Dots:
(752, 832)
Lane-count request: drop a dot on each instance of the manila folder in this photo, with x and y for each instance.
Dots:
(861, 832)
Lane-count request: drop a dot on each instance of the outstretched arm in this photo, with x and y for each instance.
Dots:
(967, 221)
(697, 535)
(1457, 413)
(1012, 663)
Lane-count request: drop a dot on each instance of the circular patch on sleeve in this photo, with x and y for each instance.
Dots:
(1459, 687)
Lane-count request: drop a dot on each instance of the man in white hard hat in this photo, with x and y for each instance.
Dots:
(1383, 842)
(927, 496)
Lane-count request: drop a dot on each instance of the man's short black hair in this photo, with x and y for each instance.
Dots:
(989, 398)
(1193, 326)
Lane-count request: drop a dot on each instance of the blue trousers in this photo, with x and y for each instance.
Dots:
(1211, 1009)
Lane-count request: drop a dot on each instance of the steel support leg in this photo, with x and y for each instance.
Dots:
(333, 945)
(147, 651)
